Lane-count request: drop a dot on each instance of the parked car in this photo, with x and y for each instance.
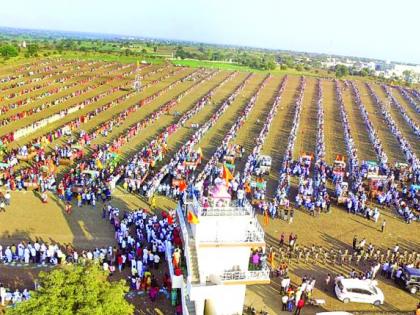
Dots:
(410, 280)
(360, 291)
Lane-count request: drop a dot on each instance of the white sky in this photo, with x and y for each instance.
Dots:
(383, 29)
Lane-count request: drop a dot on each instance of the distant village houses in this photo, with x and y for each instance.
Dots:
(409, 73)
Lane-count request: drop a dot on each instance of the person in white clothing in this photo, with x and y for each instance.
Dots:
(2, 294)
(26, 255)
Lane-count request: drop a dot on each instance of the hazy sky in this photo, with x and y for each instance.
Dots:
(385, 29)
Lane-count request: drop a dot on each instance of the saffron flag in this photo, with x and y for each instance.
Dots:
(266, 218)
(227, 175)
(200, 152)
(192, 218)
(272, 260)
(153, 202)
(182, 186)
(99, 164)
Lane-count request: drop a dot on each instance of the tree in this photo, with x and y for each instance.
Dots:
(341, 71)
(76, 289)
(155, 49)
(364, 72)
(33, 49)
(288, 60)
(8, 51)
(408, 76)
(299, 67)
(181, 53)
(271, 65)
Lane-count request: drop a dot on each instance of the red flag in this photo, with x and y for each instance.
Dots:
(182, 186)
(170, 220)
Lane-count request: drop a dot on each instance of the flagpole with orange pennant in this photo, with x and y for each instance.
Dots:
(266, 218)
(271, 258)
(192, 218)
(227, 175)
(200, 153)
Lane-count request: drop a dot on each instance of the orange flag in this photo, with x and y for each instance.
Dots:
(227, 175)
(272, 260)
(192, 218)
(266, 219)
(182, 186)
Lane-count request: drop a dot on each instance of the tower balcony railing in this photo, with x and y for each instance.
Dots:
(253, 234)
(249, 276)
(233, 209)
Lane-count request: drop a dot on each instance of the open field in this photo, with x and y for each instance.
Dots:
(121, 120)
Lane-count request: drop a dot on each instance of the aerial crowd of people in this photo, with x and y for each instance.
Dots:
(143, 238)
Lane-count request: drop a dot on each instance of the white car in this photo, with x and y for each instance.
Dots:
(361, 291)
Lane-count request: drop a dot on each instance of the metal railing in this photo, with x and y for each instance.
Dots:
(254, 236)
(168, 254)
(185, 237)
(182, 224)
(249, 236)
(185, 310)
(250, 275)
(231, 210)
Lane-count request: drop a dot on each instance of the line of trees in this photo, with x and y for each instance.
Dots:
(342, 70)
(12, 50)
(252, 60)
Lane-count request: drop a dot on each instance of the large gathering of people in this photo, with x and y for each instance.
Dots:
(409, 98)
(30, 72)
(373, 135)
(401, 109)
(252, 160)
(405, 146)
(143, 237)
(174, 169)
(352, 156)
(35, 176)
(212, 166)
(56, 101)
(47, 88)
(283, 188)
(36, 125)
(135, 178)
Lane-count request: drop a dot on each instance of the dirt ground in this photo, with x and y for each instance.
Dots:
(84, 229)
(336, 230)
